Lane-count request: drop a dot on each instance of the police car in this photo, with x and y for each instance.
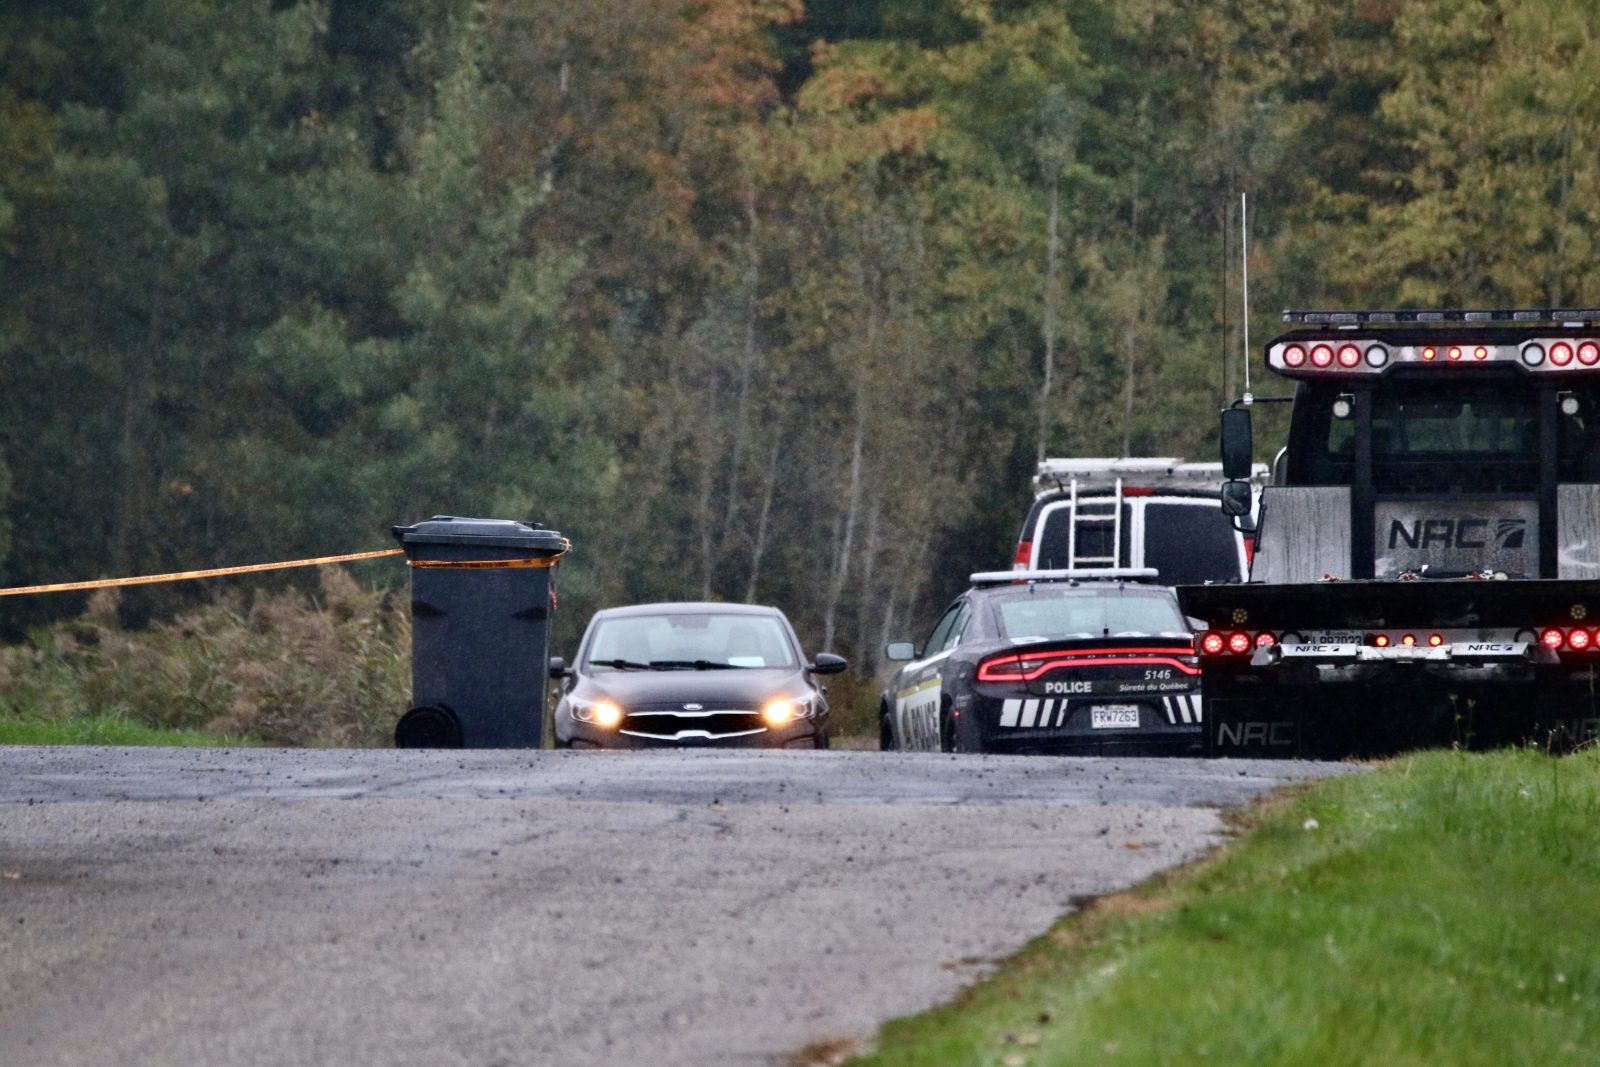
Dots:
(1087, 661)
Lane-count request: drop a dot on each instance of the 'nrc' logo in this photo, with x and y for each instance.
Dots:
(1255, 733)
(1457, 533)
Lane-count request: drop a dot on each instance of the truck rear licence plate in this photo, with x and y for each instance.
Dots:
(1114, 716)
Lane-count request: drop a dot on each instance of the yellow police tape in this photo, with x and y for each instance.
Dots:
(254, 568)
(183, 576)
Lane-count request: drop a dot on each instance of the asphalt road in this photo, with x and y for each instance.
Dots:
(501, 909)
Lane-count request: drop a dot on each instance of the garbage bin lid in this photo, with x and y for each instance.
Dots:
(490, 533)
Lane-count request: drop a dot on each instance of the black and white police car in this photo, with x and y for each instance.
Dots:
(691, 675)
(1088, 661)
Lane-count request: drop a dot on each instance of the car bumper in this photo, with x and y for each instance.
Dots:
(1168, 724)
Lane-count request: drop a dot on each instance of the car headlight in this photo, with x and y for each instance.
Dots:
(784, 710)
(602, 713)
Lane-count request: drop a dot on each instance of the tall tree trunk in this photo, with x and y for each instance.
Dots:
(749, 355)
(769, 483)
(841, 568)
(1048, 327)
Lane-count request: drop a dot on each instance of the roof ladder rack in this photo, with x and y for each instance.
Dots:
(1088, 514)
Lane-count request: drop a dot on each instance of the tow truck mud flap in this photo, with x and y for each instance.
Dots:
(1253, 729)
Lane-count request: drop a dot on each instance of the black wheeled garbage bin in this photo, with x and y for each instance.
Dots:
(480, 630)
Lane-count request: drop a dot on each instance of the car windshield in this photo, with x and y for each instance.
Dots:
(1059, 613)
(689, 641)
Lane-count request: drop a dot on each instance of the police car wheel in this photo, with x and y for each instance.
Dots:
(885, 731)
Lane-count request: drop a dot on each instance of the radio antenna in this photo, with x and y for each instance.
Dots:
(1244, 268)
(1223, 393)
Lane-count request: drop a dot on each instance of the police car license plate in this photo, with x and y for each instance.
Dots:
(1114, 716)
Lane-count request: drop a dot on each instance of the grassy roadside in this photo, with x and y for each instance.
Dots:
(1443, 910)
(105, 730)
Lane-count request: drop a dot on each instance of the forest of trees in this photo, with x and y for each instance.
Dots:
(772, 300)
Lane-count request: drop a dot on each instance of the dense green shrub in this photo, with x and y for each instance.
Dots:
(287, 668)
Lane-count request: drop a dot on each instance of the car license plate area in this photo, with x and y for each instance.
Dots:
(1114, 716)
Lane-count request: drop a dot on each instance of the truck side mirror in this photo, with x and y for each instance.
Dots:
(1237, 447)
(1236, 499)
(558, 667)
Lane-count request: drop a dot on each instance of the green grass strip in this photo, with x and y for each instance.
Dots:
(106, 730)
(1444, 909)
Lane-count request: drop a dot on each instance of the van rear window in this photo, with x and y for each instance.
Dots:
(1190, 544)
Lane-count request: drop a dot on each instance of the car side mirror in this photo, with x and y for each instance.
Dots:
(558, 667)
(1238, 448)
(827, 663)
(899, 651)
(1237, 497)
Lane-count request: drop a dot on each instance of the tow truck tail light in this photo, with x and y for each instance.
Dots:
(1213, 643)
(1266, 639)
(1561, 353)
(1321, 355)
(1552, 638)
(1435, 640)
(1579, 639)
(1238, 643)
(1294, 356)
(1349, 356)
(1589, 353)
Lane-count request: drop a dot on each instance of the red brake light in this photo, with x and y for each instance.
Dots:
(1561, 353)
(1430, 352)
(1435, 640)
(1480, 353)
(1589, 353)
(1349, 356)
(1238, 643)
(1409, 640)
(1024, 554)
(1551, 638)
(1382, 640)
(1026, 666)
(1321, 355)
(1213, 643)
(1266, 639)
(1294, 356)
(1455, 352)
(1579, 639)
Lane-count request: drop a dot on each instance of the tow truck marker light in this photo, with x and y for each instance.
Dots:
(1429, 352)
(1435, 640)
(1480, 353)
(1455, 351)
(1382, 640)
(1409, 640)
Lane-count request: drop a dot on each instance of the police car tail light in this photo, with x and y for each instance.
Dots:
(1552, 638)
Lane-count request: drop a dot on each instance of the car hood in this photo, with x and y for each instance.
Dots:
(742, 684)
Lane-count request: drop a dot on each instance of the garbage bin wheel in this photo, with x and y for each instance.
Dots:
(429, 726)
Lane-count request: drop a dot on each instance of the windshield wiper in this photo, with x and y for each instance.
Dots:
(688, 665)
(621, 664)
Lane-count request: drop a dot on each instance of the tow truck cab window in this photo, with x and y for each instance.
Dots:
(1482, 435)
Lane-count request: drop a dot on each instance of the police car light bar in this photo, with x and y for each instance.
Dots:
(1079, 574)
(1415, 317)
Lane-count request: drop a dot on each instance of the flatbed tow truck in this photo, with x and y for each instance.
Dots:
(1427, 555)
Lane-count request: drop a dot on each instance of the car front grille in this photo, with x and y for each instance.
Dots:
(676, 724)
